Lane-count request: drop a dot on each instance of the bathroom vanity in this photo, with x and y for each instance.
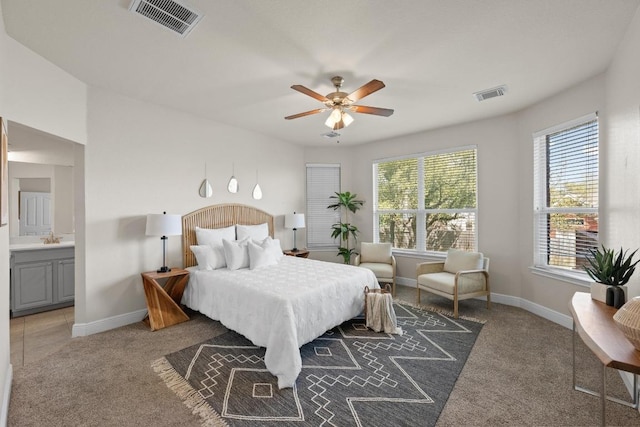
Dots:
(42, 277)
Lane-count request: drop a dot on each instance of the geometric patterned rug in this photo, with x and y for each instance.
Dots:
(351, 376)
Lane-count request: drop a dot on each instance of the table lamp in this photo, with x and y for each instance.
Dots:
(164, 225)
(294, 221)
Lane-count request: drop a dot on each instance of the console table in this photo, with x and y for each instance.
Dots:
(593, 322)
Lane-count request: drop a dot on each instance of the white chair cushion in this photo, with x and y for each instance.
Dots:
(375, 252)
(462, 260)
(382, 271)
(444, 282)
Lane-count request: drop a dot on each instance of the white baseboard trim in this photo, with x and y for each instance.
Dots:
(102, 325)
(6, 396)
(532, 307)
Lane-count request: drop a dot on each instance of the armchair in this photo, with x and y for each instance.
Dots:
(378, 258)
(462, 275)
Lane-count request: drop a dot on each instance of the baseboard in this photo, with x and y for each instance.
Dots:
(102, 325)
(6, 396)
(537, 309)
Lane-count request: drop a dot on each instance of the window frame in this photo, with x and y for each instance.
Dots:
(541, 210)
(421, 212)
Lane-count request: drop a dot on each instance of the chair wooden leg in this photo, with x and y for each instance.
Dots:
(418, 298)
(488, 301)
(455, 306)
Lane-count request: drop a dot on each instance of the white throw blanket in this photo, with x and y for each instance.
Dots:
(380, 313)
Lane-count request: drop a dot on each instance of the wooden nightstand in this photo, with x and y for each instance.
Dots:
(302, 253)
(163, 301)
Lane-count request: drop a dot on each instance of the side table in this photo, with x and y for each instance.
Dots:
(301, 253)
(163, 300)
(593, 323)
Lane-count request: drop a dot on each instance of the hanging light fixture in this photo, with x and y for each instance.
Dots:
(232, 186)
(338, 119)
(205, 189)
(257, 191)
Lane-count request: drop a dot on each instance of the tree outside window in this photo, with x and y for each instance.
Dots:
(427, 202)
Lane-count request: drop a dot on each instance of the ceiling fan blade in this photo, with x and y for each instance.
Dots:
(368, 89)
(306, 113)
(371, 110)
(309, 92)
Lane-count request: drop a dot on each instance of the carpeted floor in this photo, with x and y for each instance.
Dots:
(350, 375)
(518, 373)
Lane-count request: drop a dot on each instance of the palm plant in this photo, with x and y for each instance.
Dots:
(345, 202)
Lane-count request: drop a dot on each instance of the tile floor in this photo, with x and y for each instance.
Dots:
(38, 335)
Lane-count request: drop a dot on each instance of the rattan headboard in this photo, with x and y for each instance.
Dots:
(218, 216)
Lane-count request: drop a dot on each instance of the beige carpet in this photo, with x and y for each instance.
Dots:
(519, 373)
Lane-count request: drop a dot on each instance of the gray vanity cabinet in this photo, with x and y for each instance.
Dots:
(41, 279)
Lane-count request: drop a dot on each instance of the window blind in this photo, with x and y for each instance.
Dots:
(323, 181)
(566, 189)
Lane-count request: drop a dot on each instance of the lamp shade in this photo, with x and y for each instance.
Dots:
(294, 220)
(164, 225)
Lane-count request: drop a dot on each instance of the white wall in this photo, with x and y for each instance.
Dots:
(622, 155)
(497, 189)
(142, 158)
(5, 350)
(40, 95)
(578, 101)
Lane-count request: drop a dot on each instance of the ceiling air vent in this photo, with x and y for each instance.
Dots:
(490, 93)
(168, 13)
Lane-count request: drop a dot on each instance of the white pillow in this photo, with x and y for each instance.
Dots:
(206, 257)
(213, 236)
(236, 253)
(255, 232)
(260, 256)
(272, 245)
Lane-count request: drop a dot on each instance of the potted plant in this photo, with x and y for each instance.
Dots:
(612, 269)
(345, 202)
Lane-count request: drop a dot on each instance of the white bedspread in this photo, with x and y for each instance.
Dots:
(281, 307)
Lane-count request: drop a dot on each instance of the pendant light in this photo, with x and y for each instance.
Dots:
(232, 186)
(257, 191)
(205, 189)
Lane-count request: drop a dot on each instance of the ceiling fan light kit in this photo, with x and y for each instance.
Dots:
(340, 102)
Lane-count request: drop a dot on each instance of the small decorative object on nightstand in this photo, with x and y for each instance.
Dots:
(163, 301)
(301, 253)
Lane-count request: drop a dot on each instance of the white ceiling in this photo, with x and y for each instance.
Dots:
(238, 64)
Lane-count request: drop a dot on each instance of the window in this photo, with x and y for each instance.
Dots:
(427, 202)
(323, 181)
(566, 193)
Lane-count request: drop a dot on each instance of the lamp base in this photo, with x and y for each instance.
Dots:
(164, 269)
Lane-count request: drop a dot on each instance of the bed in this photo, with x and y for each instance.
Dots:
(280, 307)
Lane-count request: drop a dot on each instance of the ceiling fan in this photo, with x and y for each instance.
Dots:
(341, 102)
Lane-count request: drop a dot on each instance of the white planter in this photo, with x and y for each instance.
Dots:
(599, 292)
